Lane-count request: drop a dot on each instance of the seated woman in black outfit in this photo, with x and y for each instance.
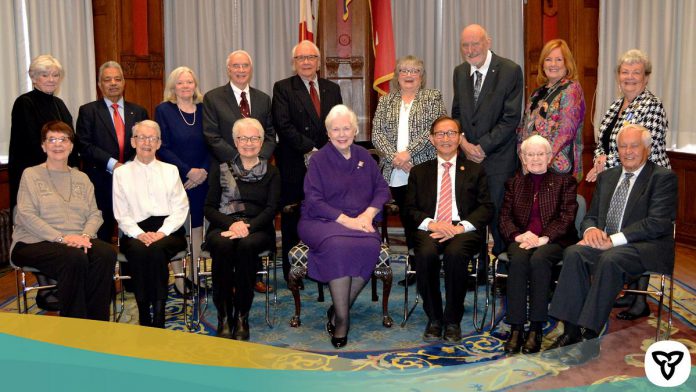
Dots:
(242, 202)
(537, 221)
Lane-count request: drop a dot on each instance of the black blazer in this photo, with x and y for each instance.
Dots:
(648, 218)
(471, 191)
(220, 111)
(97, 135)
(299, 127)
(491, 122)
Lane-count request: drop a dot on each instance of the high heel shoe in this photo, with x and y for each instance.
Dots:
(339, 342)
(330, 328)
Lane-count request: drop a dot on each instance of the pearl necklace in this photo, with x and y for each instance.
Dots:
(184, 118)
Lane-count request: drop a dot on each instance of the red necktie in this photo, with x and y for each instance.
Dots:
(444, 205)
(120, 131)
(315, 98)
(244, 106)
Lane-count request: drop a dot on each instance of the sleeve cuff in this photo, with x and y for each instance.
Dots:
(424, 225)
(618, 239)
(110, 165)
(467, 226)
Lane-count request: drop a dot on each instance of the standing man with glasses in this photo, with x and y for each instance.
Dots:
(226, 104)
(300, 105)
(488, 104)
(104, 132)
(447, 201)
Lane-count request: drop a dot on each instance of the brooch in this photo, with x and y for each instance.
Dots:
(361, 164)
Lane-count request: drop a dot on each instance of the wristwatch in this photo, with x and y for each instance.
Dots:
(60, 239)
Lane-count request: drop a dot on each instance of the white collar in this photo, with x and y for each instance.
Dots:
(485, 66)
(237, 91)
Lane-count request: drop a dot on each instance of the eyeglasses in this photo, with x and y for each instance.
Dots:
(442, 134)
(531, 155)
(310, 57)
(249, 139)
(240, 66)
(143, 139)
(57, 140)
(347, 130)
(410, 71)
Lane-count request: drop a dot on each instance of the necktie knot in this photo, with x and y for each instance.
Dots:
(628, 176)
(115, 106)
(447, 165)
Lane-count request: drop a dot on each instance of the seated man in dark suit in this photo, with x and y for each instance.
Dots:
(447, 199)
(627, 230)
(104, 130)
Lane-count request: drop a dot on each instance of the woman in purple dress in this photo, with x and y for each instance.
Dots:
(344, 192)
(180, 117)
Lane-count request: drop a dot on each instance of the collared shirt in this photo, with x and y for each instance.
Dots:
(316, 84)
(238, 94)
(483, 69)
(122, 111)
(144, 190)
(455, 212)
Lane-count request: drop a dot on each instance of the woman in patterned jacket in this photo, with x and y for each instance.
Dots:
(637, 105)
(401, 125)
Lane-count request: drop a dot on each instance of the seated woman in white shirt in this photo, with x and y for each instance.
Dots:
(150, 205)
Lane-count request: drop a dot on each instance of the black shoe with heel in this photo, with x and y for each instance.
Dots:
(533, 343)
(514, 342)
(330, 328)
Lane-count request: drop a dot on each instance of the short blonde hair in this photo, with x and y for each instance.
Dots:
(568, 60)
(170, 95)
(338, 111)
(43, 63)
(149, 124)
(645, 135)
(410, 59)
(535, 140)
(635, 56)
(247, 122)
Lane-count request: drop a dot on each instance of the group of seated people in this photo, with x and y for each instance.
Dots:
(452, 177)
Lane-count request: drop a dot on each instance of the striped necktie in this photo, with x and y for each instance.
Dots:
(444, 205)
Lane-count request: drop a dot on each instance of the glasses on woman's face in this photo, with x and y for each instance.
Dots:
(57, 140)
(531, 155)
(410, 71)
(249, 139)
(443, 134)
(143, 139)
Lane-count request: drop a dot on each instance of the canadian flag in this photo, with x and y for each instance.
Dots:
(306, 21)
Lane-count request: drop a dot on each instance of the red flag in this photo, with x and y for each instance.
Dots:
(306, 21)
(382, 44)
(345, 9)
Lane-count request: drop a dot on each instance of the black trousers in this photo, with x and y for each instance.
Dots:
(496, 188)
(533, 267)
(590, 281)
(456, 252)
(235, 263)
(399, 195)
(149, 265)
(85, 280)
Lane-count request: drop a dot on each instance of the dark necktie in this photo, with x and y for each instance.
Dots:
(315, 98)
(244, 106)
(444, 205)
(617, 205)
(120, 128)
(477, 85)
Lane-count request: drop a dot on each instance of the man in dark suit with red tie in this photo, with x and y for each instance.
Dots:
(226, 104)
(300, 105)
(627, 230)
(448, 201)
(104, 129)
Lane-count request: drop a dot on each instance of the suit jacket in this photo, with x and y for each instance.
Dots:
(471, 192)
(491, 122)
(426, 107)
(557, 205)
(220, 111)
(299, 128)
(649, 214)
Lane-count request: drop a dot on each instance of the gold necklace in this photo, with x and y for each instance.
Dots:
(55, 189)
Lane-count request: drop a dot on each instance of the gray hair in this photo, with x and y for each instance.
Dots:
(149, 124)
(410, 59)
(645, 135)
(305, 42)
(109, 64)
(239, 51)
(635, 56)
(535, 140)
(247, 122)
(170, 95)
(43, 63)
(339, 111)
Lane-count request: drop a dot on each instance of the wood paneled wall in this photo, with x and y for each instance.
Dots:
(684, 165)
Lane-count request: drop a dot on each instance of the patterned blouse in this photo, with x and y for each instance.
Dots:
(426, 107)
(646, 110)
(560, 122)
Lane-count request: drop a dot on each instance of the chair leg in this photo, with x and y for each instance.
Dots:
(294, 281)
(19, 292)
(386, 277)
(408, 311)
(669, 309)
(375, 297)
(659, 307)
(320, 289)
(479, 323)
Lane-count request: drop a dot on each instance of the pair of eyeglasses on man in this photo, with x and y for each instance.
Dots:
(249, 139)
(442, 134)
(143, 139)
(310, 57)
(57, 140)
(240, 66)
(536, 154)
(410, 71)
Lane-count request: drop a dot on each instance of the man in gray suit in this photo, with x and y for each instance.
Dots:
(627, 230)
(488, 105)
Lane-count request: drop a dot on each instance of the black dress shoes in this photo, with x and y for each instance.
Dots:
(514, 342)
(339, 342)
(563, 340)
(433, 331)
(330, 328)
(533, 343)
(581, 353)
(453, 333)
(630, 316)
(241, 328)
(223, 328)
(624, 301)
(48, 302)
(411, 280)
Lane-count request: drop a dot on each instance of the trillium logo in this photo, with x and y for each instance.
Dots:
(667, 363)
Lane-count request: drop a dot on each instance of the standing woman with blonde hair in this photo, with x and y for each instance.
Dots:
(180, 117)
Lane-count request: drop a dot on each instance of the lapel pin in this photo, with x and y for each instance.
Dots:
(361, 164)
(461, 168)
